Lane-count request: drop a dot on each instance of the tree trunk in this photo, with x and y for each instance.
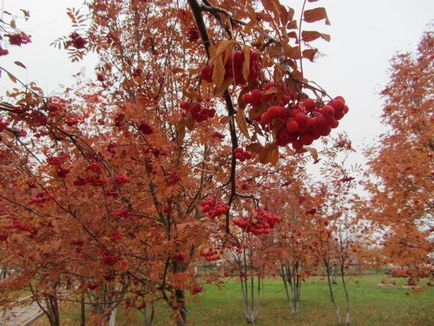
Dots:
(112, 320)
(52, 310)
(332, 297)
(149, 319)
(82, 311)
(180, 299)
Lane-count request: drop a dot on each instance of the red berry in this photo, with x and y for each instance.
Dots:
(292, 125)
(328, 111)
(247, 97)
(309, 104)
(266, 118)
(256, 96)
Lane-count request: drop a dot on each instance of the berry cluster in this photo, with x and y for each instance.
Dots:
(3, 51)
(20, 226)
(108, 258)
(214, 208)
(94, 181)
(172, 178)
(178, 256)
(298, 123)
(95, 167)
(198, 113)
(145, 128)
(265, 93)
(307, 122)
(57, 163)
(116, 235)
(210, 254)
(196, 290)
(121, 213)
(261, 224)
(76, 41)
(242, 155)
(40, 199)
(18, 39)
(121, 179)
(234, 67)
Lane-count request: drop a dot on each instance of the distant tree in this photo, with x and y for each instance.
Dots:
(401, 164)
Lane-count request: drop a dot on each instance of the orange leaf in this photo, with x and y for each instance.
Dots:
(314, 153)
(309, 36)
(255, 148)
(270, 154)
(316, 14)
(310, 54)
(241, 122)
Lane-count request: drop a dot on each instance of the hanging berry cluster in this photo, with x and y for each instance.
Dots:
(210, 254)
(293, 121)
(242, 155)
(262, 223)
(214, 208)
(234, 67)
(76, 41)
(197, 112)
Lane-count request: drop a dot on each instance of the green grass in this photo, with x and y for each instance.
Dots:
(370, 305)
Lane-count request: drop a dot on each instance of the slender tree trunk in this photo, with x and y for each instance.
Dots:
(347, 297)
(292, 284)
(332, 297)
(112, 319)
(180, 299)
(149, 318)
(333, 274)
(82, 311)
(52, 310)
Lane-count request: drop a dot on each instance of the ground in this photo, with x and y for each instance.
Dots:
(371, 305)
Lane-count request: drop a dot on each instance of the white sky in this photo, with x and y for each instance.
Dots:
(365, 35)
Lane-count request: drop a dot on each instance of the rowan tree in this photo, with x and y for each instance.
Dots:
(401, 164)
(123, 183)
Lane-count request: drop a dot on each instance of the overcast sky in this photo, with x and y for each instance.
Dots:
(365, 36)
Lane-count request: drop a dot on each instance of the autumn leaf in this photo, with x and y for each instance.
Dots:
(269, 154)
(310, 54)
(246, 63)
(241, 122)
(316, 14)
(308, 36)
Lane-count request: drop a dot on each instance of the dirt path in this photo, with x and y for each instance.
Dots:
(20, 316)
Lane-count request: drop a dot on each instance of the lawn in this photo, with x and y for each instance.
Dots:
(370, 305)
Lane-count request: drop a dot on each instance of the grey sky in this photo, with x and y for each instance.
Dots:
(365, 35)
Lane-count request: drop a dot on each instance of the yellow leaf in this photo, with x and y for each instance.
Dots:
(241, 122)
(316, 14)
